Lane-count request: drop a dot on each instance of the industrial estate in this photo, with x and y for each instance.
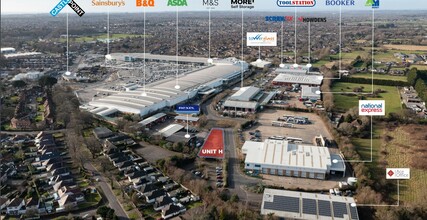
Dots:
(213, 110)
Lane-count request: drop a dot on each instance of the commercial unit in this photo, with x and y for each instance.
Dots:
(310, 93)
(308, 206)
(247, 99)
(287, 79)
(163, 94)
(7, 50)
(280, 157)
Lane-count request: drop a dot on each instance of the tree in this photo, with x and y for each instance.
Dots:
(19, 84)
(103, 211)
(47, 81)
(412, 76)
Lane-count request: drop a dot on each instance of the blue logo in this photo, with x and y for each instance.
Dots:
(187, 109)
(61, 5)
(292, 3)
(373, 3)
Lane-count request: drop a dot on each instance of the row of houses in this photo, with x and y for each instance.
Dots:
(158, 190)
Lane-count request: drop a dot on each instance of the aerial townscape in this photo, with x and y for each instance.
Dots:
(213, 110)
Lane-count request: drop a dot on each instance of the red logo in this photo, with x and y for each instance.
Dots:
(390, 173)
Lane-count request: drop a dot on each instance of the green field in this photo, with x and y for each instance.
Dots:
(344, 102)
(380, 76)
(363, 148)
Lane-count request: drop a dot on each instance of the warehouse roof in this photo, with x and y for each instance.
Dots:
(310, 206)
(150, 56)
(245, 93)
(171, 129)
(152, 119)
(282, 153)
(185, 118)
(240, 104)
(310, 92)
(299, 79)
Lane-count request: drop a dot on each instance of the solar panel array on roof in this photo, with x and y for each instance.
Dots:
(353, 211)
(324, 208)
(284, 203)
(340, 209)
(309, 206)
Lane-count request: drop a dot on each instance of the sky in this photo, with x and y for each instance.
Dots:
(44, 6)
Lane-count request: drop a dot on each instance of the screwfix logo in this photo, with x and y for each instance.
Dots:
(301, 3)
(372, 107)
(305, 19)
(373, 3)
(398, 173)
(279, 18)
(144, 3)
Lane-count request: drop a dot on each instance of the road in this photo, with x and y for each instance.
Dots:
(211, 114)
(236, 179)
(31, 132)
(108, 192)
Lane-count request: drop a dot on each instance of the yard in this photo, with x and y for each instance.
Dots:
(344, 102)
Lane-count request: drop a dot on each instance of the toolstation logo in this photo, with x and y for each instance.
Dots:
(311, 19)
(296, 3)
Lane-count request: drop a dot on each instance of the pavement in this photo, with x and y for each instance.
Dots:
(108, 192)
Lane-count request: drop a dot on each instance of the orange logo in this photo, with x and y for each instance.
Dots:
(144, 3)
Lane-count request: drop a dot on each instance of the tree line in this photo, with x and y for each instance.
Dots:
(417, 79)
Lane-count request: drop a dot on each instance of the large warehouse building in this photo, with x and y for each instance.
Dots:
(279, 157)
(247, 99)
(163, 94)
(308, 206)
(301, 76)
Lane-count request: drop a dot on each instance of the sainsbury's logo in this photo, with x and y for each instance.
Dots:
(372, 107)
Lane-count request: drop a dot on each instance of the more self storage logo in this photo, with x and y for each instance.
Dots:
(398, 173)
(296, 3)
(372, 107)
(261, 39)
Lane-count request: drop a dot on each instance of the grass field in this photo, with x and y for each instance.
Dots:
(419, 67)
(345, 102)
(405, 47)
(363, 148)
(380, 76)
(400, 155)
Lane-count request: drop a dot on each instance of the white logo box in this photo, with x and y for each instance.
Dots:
(261, 39)
(372, 107)
(398, 173)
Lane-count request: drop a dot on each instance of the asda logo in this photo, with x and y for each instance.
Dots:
(177, 3)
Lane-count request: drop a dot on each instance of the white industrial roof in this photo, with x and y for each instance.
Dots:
(309, 206)
(7, 49)
(152, 119)
(150, 56)
(245, 93)
(189, 118)
(310, 92)
(133, 101)
(282, 153)
(299, 79)
(21, 54)
(171, 129)
(240, 104)
(107, 112)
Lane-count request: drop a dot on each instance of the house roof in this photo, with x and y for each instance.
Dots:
(66, 200)
(15, 202)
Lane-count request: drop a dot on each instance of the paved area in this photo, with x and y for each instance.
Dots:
(302, 183)
(153, 153)
(305, 131)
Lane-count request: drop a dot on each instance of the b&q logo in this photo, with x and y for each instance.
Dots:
(144, 3)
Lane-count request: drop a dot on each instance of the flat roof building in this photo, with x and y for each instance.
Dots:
(287, 79)
(246, 99)
(279, 157)
(163, 94)
(311, 93)
(308, 206)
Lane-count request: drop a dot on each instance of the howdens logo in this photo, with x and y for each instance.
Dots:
(372, 107)
(296, 3)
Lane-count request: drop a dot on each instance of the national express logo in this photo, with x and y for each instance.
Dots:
(295, 3)
(372, 107)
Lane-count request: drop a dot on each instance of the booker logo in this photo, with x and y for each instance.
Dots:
(372, 107)
(295, 3)
(373, 3)
(177, 3)
(261, 39)
(144, 3)
(398, 173)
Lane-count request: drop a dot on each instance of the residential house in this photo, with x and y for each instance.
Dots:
(16, 207)
(172, 210)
